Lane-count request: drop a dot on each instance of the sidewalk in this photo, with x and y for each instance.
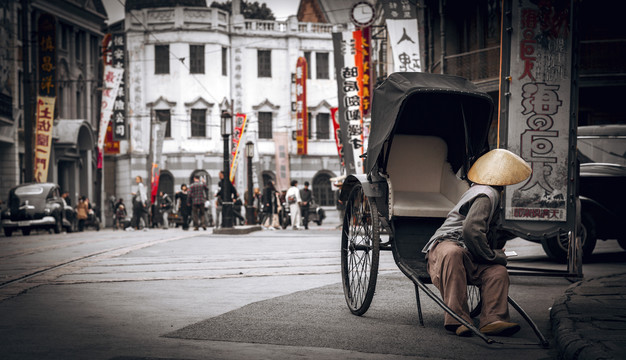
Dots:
(589, 320)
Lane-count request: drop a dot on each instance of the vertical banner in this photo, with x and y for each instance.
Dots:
(111, 146)
(46, 95)
(302, 113)
(239, 127)
(366, 90)
(111, 83)
(281, 141)
(349, 114)
(43, 137)
(540, 108)
(337, 132)
(401, 20)
(118, 53)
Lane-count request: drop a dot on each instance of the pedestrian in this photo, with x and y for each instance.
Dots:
(66, 197)
(294, 201)
(307, 196)
(82, 212)
(165, 205)
(468, 247)
(257, 203)
(120, 216)
(220, 198)
(140, 205)
(237, 205)
(269, 204)
(182, 207)
(197, 197)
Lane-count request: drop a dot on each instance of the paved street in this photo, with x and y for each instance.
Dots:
(266, 295)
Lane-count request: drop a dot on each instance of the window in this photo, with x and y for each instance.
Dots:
(322, 124)
(265, 63)
(322, 190)
(321, 65)
(164, 117)
(224, 61)
(196, 55)
(265, 125)
(307, 57)
(161, 59)
(198, 122)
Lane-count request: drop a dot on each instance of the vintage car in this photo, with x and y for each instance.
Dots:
(602, 189)
(36, 206)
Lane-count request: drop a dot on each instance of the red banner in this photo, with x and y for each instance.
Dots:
(301, 108)
(366, 86)
(239, 127)
(337, 132)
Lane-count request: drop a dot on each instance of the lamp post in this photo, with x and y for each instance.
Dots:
(227, 200)
(250, 219)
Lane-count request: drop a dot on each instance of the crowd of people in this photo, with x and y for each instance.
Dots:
(193, 206)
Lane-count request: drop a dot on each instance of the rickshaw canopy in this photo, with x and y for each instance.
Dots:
(446, 106)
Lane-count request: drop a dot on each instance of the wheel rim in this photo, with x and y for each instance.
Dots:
(563, 240)
(359, 252)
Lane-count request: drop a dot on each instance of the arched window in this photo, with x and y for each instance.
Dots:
(267, 176)
(166, 183)
(322, 190)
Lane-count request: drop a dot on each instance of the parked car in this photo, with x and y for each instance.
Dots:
(35, 206)
(602, 189)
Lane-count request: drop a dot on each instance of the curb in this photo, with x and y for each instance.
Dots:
(569, 343)
(238, 230)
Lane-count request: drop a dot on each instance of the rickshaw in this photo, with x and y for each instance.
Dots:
(426, 132)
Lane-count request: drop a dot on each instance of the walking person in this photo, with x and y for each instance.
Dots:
(182, 206)
(307, 196)
(294, 201)
(140, 205)
(165, 205)
(197, 197)
(269, 204)
(82, 212)
(468, 247)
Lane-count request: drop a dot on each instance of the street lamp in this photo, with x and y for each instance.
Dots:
(250, 207)
(227, 200)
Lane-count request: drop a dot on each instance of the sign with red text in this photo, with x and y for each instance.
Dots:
(302, 115)
(539, 108)
(46, 90)
(112, 79)
(43, 136)
(239, 127)
(337, 133)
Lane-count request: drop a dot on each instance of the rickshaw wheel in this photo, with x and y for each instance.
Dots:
(360, 250)
(474, 301)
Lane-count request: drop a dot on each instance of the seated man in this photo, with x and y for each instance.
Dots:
(467, 248)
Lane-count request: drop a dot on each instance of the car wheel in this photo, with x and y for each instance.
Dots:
(25, 232)
(58, 226)
(8, 232)
(556, 248)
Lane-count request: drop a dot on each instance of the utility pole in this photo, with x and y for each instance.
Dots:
(29, 167)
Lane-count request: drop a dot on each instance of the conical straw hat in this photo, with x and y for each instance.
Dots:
(499, 167)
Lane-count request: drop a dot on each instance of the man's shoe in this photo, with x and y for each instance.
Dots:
(500, 328)
(463, 331)
(204, 228)
(195, 229)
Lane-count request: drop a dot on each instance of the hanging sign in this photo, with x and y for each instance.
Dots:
(46, 95)
(539, 108)
(302, 120)
(118, 119)
(401, 21)
(239, 127)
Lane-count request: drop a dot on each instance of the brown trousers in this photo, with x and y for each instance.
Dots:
(451, 268)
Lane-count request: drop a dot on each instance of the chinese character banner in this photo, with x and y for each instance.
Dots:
(112, 80)
(43, 136)
(301, 107)
(239, 128)
(539, 108)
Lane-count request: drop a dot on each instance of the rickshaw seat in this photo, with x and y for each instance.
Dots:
(422, 180)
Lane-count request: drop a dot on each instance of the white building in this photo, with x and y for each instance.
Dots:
(185, 64)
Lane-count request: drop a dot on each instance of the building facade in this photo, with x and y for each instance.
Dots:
(78, 26)
(187, 64)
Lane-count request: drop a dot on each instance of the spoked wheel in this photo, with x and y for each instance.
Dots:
(474, 301)
(360, 250)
